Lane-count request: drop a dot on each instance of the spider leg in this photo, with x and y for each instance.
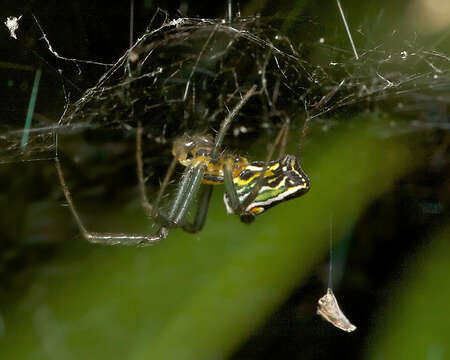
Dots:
(152, 211)
(230, 189)
(186, 193)
(106, 238)
(193, 176)
(224, 126)
(202, 210)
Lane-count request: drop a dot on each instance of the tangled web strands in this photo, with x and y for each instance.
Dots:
(186, 74)
(189, 73)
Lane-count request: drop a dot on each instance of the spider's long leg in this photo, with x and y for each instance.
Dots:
(106, 238)
(151, 210)
(193, 176)
(230, 189)
(140, 172)
(202, 210)
(165, 182)
(224, 126)
(186, 193)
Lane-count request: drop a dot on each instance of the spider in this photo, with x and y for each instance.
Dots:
(250, 187)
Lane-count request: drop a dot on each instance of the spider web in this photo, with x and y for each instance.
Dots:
(186, 74)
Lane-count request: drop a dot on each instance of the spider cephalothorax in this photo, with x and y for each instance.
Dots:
(197, 151)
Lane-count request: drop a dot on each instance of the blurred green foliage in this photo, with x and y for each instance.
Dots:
(197, 297)
(416, 323)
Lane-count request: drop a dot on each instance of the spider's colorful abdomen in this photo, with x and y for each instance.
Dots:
(283, 179)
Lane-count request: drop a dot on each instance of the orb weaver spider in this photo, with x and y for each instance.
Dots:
(250, 187)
